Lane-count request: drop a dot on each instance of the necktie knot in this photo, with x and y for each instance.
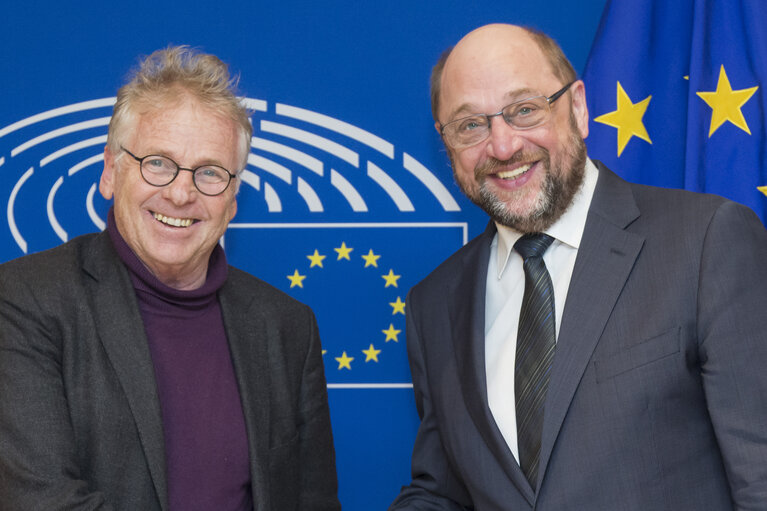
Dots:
(533, 244)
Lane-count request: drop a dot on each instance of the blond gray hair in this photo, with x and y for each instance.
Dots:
(170, 73)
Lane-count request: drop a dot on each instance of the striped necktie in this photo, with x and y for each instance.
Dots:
(536, 339)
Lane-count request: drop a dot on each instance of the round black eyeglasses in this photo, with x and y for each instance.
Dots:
(158, 170)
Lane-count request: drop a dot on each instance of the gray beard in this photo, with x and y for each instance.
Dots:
(554, 198)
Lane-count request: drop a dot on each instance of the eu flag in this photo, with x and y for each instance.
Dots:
(676, 95)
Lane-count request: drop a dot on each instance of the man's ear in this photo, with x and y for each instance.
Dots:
(580, 110)
(106, 184)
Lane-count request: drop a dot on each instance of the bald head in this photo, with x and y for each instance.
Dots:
(486, 48)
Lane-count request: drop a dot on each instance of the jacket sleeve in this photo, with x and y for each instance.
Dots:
(732, 333)
(434, 485)
(38, 459)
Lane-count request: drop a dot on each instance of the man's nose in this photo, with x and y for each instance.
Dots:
(504, 140)
(181, 190)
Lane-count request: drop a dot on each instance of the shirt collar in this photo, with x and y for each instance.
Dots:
(568, 229)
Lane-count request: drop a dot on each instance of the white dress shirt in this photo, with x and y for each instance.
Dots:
(503, 299)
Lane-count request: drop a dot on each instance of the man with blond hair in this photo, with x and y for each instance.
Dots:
(601, 346)
(138, 371)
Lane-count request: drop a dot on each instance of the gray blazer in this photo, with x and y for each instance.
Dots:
(80, 423)
(658, 391)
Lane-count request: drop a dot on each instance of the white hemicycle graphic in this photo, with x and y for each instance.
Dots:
(300, 161)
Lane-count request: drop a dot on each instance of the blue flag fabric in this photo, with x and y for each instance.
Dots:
(676, 95)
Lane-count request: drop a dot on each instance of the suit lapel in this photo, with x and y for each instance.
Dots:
(467, 316)
(121, 331)
(606, 256)
(248, 337)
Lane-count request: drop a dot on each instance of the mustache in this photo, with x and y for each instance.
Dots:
(492, 165)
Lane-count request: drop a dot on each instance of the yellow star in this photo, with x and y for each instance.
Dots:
(725, 104)
(343, 252)
(627, 118)
(391, 333)
(344, 361)
(316, 259)
(391, 278)
(398, 306)
(296, 279)
(762, 189)
(371, 354)
(371, 259)
(324, 351)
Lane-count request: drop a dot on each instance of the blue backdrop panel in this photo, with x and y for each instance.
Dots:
(347, 199)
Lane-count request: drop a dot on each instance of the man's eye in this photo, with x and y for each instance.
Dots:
(525, 110)
(158, 165)
(471, 124)
(210, 174)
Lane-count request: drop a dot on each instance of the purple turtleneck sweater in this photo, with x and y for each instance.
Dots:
(206, 444)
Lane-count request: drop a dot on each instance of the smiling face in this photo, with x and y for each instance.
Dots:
(173, 229)
(524, 179)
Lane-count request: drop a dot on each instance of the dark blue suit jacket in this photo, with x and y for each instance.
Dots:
(658, 392)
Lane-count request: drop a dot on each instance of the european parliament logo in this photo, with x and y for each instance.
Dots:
(330, 213)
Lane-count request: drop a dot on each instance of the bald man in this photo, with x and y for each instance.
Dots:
(601, 345)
